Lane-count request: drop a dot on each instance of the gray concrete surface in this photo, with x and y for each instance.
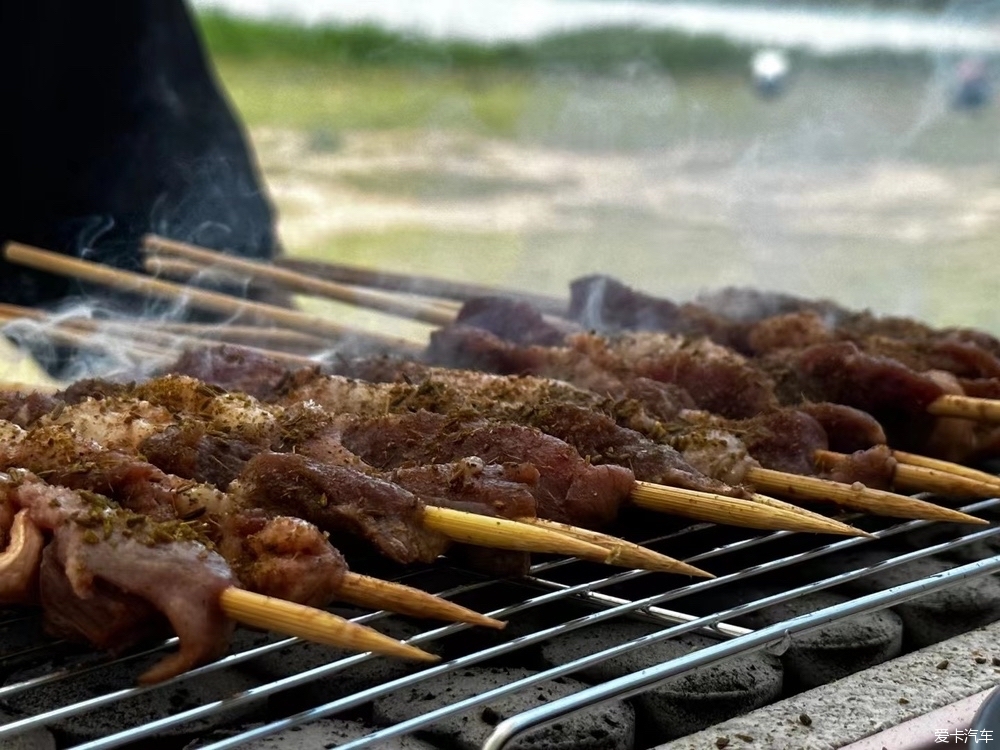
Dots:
(863, 703)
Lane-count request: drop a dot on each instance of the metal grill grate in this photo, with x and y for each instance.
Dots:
(585, 595)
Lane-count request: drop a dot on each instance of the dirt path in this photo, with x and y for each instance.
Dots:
(900, 236)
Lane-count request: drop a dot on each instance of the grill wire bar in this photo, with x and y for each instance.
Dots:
(626, 687)
(578, 664)
(740, 640)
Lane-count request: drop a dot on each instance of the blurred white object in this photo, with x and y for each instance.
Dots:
(770, 72)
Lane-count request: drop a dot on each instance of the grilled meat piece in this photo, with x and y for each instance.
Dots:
(514, 320)
(165, 564)
(234, 368)
(192, 451)
(603, 304)
(578, 417)
(715, 378)
(24, 408)
(281, 556)
(570, 490)
(847, 429)
(341, 501)
(892, 393)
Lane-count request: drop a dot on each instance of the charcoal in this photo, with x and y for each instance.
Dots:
(36, 739)
(325, 733)
(303, 656)
(937, 616)
(681, 705)
(154, 704)
(836, 650)
(608, 727)
(23, 642)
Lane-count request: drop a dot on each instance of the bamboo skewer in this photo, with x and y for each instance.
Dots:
(169, 335)
(855, 496)
(502, 533)
(375, 593)
(923, 479)
(704, 506)
(301, 283)
(397, 282)
(177, 269)
(78, 340)
(915, 459)
(189, 271)
(45, 260)
(966, 407)
(87, 333)
(910, 478)
(962, 407)
(623, 553)
(309, 623)
(282, 339)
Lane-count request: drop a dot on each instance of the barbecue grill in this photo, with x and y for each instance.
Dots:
(52, 687)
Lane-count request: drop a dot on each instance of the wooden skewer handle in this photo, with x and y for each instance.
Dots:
(732, 511)
(45, 260)
(298, 282)
(966, 407)
(856, 496)
(915, 459)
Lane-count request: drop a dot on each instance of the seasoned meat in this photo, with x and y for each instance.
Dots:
(569, 490)
(233, 368)
(281, 556)
(847, 429)
(166, 564)
(340, 500)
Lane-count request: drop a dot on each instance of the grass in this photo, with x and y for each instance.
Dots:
(605, 51)
(306, 96)
(360, 78)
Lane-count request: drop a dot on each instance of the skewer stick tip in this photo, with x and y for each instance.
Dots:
(622, 552)
(313, 624)
(375, 593)
(835, 526)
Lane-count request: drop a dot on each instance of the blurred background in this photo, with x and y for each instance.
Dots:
(838, 149)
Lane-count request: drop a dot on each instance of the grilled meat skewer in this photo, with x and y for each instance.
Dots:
(723, 382)
(219, 433)
(755, 323)
(113, 578)
(274, 555)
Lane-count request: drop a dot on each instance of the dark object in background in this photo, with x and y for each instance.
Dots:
(115, 127)
(986, 722)
(972, 84)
